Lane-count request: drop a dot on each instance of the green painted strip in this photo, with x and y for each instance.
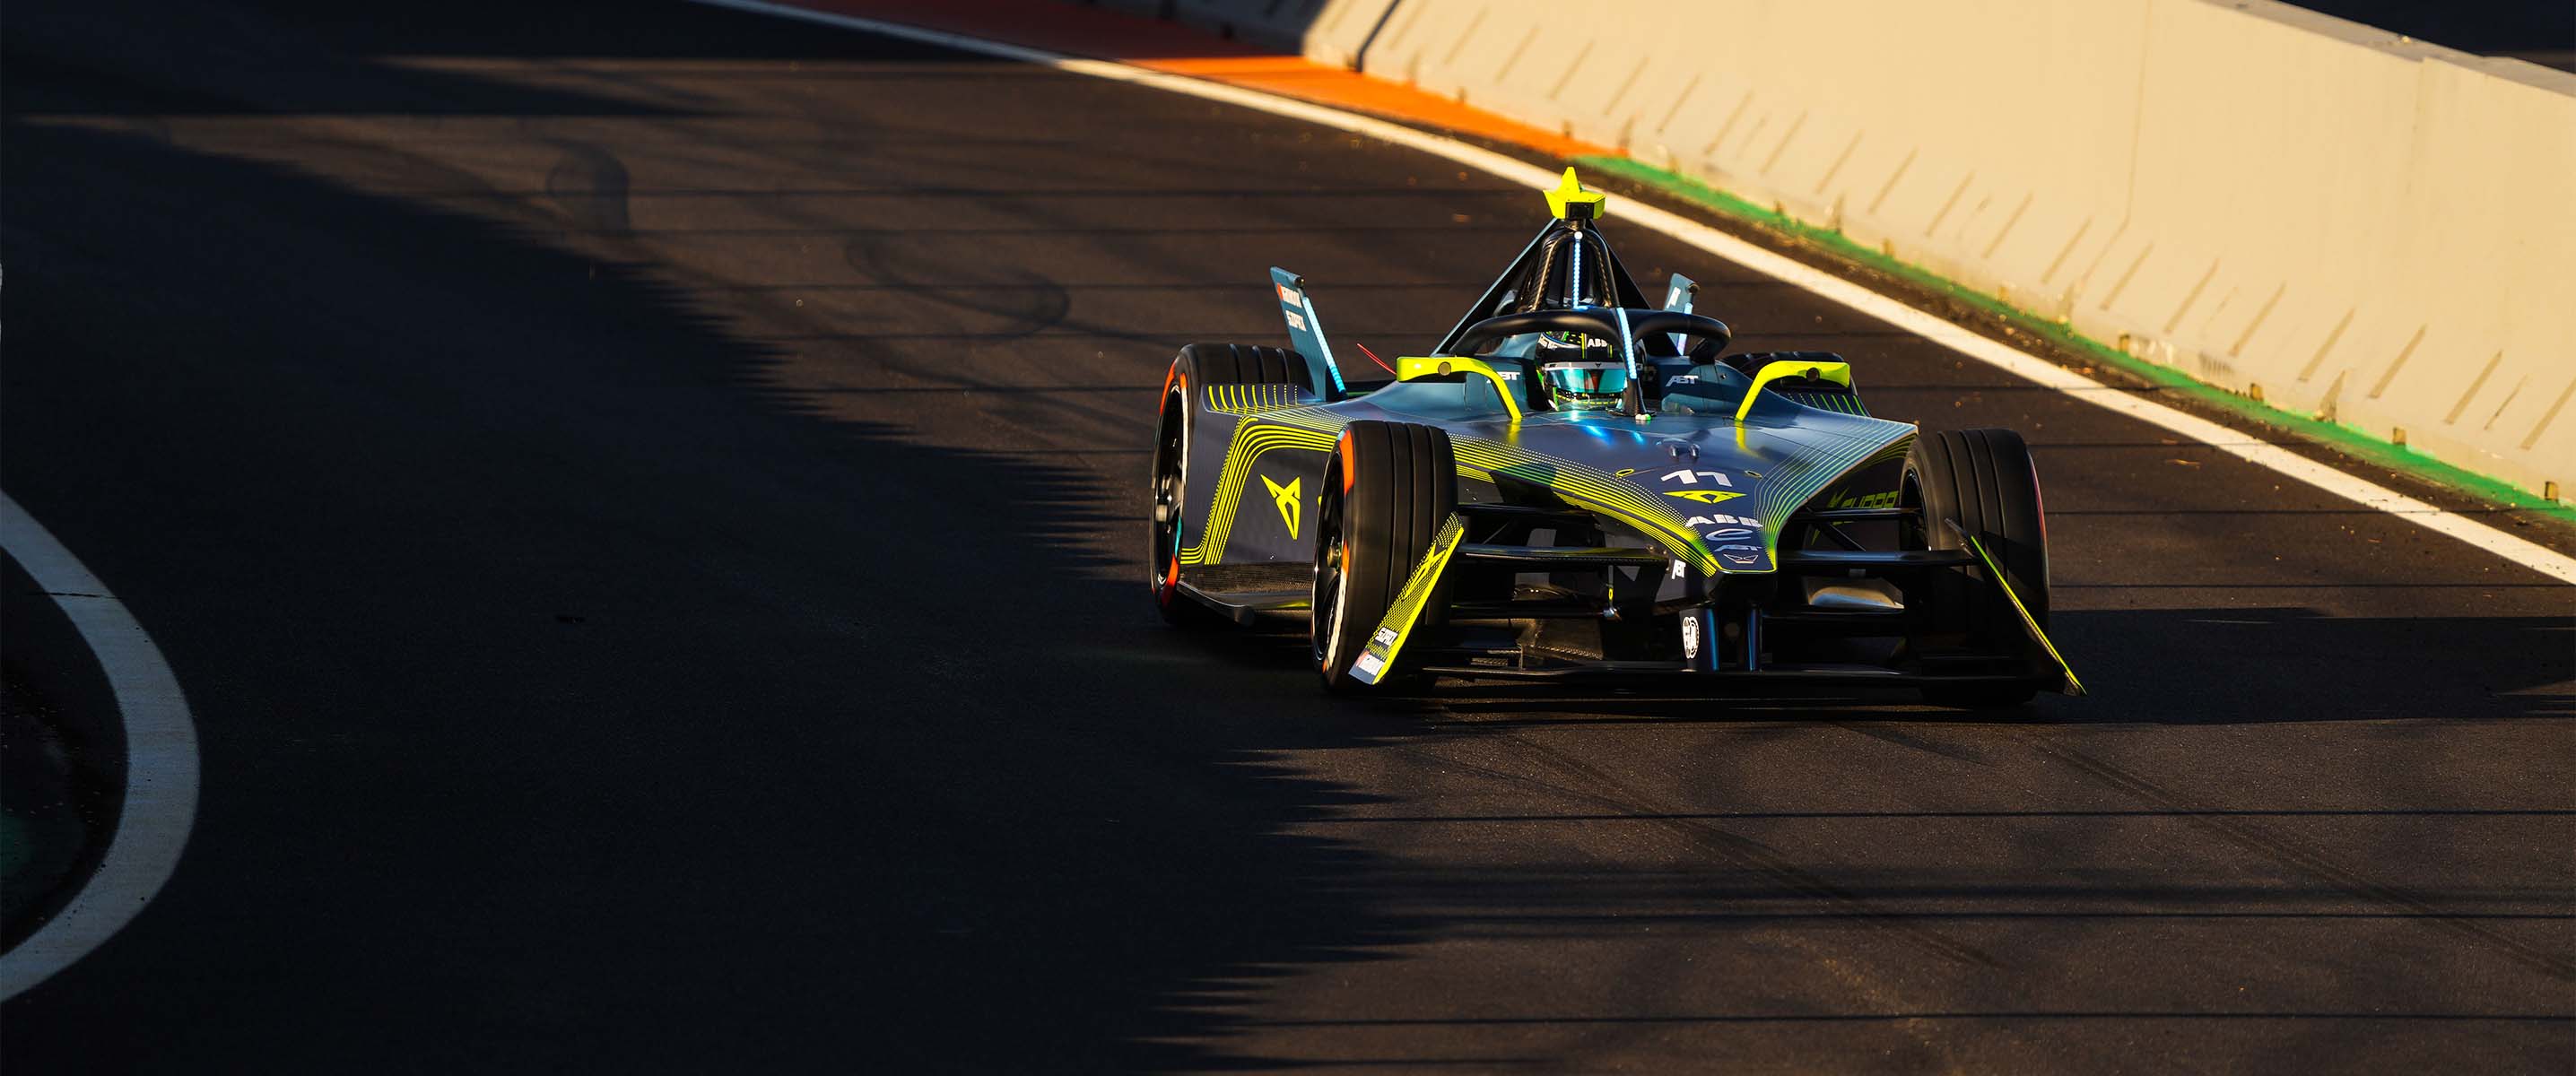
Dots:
(1995, 572)
(2350, 440)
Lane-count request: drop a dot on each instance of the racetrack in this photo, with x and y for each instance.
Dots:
(646, 504)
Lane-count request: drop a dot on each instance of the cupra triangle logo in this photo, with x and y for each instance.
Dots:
(1703, 496)
(1288, 499)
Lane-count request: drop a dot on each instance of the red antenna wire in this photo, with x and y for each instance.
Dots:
(1381, 363)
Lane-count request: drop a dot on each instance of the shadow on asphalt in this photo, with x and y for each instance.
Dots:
(570, 693)
(2250, 665)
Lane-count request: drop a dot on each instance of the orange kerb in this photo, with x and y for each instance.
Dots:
(1081, 30)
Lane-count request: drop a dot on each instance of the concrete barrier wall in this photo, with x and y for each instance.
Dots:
(2279, 203)
(2276, 202)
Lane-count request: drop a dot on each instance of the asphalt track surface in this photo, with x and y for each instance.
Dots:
(645, 503)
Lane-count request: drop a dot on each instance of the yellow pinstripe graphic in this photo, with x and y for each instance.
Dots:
(1841, 403)
(1893, 450)
(1793, 483)
(1589, 489)
(1251, 439)
(1251, 399)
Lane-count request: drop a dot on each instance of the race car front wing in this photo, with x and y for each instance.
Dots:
(1718, 638)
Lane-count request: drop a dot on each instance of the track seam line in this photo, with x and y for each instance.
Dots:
(160, 803)
(2252, 836)
(1780, 267)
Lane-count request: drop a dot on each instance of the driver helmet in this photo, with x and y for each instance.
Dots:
(1571, 347)
(1584, 385)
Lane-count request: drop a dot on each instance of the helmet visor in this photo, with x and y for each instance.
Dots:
(1586, 384)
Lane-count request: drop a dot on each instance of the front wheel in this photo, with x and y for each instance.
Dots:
(1983, 479)
(1388, 489)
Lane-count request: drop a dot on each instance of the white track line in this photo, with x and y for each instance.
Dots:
(1995, 353)
(160, 760)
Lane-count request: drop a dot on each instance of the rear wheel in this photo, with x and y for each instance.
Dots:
(1983, 479)
(1387, 491)
(1193, 370)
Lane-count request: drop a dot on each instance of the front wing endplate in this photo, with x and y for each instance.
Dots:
(1996, 572)
(1388, 640)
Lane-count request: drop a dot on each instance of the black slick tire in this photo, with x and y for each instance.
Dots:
(1184, 393)
(1983, 479)
(1388, 489)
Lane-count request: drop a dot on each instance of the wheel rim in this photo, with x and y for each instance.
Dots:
(1914, 531)
(1171, 463)
(1325, 607)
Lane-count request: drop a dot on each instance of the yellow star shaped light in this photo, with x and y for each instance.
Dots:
(1569, 201)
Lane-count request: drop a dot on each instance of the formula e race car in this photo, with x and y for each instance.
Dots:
(1575, 484)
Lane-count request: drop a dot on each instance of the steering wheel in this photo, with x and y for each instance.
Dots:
(1599, 321)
